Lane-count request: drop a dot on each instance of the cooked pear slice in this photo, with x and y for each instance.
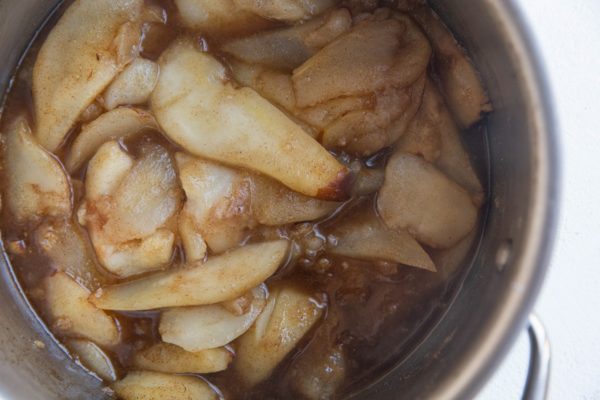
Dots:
(460, 81)
(116, 124)
(37, 186)
(423, 137)
(433, 134)
(69, 250)
(274, 85)
(126, 259)
(129, 208)
(132, 86)
(286, 10)
(274, 204)
(361, 123)
(321, 380)
(211, 326)
(449, 261)
(145, 385)
(354, 121)
(127, 43)
(168, 358)
(194, 246)
(147, 198)
(239, 306)
(363, 235)
(93, 358)
(365, 131)
(72, 315)
(368, 180)
(420, 199)
(93, 111)
(79, 58)
(455, 162)
(372, 56)
(217, 17)
(222, 203)
(324, 114)
(289, 314)
(365, 103)
(287, 48)
(217, 209)
(277, 86)
(106, 170)
(209, 117)
(221, 278)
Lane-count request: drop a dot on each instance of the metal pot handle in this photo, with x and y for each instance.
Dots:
(536, 386)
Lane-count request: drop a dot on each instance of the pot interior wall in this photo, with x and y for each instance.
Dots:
(493, 301)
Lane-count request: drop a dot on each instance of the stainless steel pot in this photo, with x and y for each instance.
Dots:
(508, 268)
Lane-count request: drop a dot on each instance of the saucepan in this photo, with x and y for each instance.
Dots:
(508, 265)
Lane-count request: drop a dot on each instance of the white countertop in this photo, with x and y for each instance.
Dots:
(568, 33)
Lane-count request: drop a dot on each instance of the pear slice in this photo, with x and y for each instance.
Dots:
(289, 47)
(433, 134)
(322, 367)
(147, 198)
(286, 10)
(132, 86)
(145, 385)
(168, 358)
(449, 261)
(459, 79)
(363, 235)
(374, 55)
(116, 124)
(419, 198)
(221, 278)
(69, 250)
(106, 170)
(276, 86)
(217, 17)
(130, 207)
(79, 58)
(126, 259)
(289, 314)
(368, 180)
(368, 130)
(37, 185)
(93, 111)
(211, 326)
(274, 204)
(204, 113)
(93, 358)
(193, 243)
(217, 208)
(72, 315)
(423, 134)
(222, 203)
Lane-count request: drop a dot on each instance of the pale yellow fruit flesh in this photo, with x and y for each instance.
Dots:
(221, 278)
(77, 61)
(197, 108)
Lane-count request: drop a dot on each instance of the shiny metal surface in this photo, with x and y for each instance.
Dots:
(536, 387)
(494, 302)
